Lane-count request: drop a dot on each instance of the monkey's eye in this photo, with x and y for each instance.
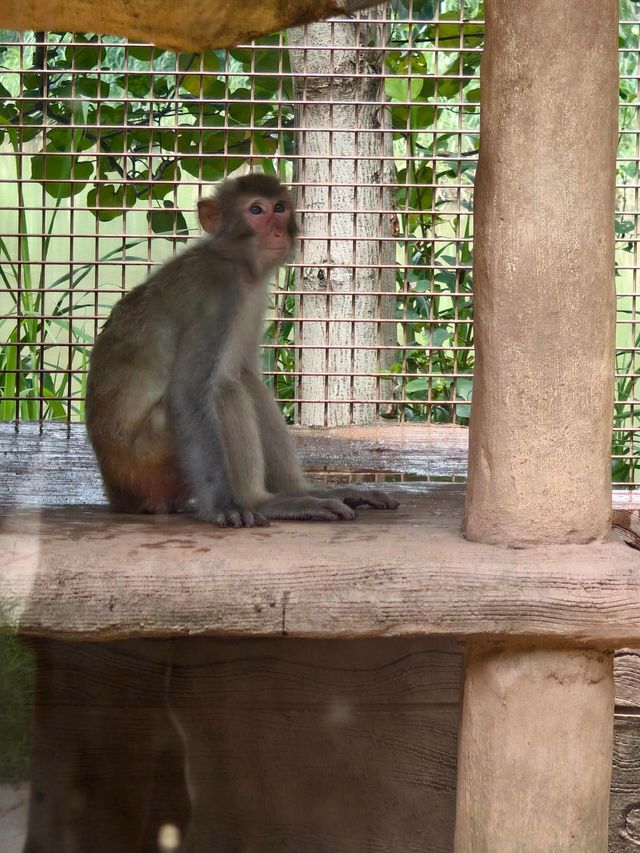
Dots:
(279, 207)
(256, 209)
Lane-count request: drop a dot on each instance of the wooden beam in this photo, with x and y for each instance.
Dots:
(194, 25)
(85, 573)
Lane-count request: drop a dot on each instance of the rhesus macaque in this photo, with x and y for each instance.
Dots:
(176, 408)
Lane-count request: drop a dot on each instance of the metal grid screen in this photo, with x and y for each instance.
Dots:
(105, 147)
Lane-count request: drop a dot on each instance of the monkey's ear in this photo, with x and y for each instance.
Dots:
(209, 214)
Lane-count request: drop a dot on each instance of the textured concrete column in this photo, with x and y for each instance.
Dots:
(544, 274)
(537, 723)
(534, 765)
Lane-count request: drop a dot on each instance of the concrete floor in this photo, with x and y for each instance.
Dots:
(13, 817)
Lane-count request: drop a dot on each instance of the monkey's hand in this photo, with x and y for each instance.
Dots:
(235, 517)
(354, 498)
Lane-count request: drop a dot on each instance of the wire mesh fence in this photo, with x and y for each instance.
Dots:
(105, 147)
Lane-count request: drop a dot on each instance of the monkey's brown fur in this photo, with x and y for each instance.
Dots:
(176, 408)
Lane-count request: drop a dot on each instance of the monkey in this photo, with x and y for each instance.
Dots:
(176, 409)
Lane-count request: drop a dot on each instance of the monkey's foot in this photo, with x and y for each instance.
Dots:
(354, 498)
(236, 518)
(307, 508)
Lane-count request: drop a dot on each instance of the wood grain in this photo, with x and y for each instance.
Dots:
(87, 573)
(294, 746)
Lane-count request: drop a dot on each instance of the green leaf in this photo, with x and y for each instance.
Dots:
(464, 388)
(84, 57)
(440, 337)
(449, 34)
(624, 226)
(201, 81)
(414, 386)
(422, 116)
(211, 88)
(8, 112)
(59, 139)
(449, 87)
(108, 114)
(168, 220)
(55, 172)
(91, 87)
(211, 169)
(402, 88)
(142, 53)
(110, 197)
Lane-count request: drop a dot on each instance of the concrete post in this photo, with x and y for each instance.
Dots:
(537, 724)
(543, 274)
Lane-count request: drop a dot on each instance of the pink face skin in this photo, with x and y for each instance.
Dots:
(269, 218)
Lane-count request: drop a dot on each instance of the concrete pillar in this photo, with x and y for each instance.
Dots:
(544, 274)
(534, 765)
(537, 723)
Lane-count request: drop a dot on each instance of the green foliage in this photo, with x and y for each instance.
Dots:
(16, 701)
(42, 316)
(78, 106)
(426, 90)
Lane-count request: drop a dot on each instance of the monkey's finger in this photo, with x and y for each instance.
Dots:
(339, 509)
(253, 519)
(229, 519)
(326, 515)
(380, 500)
(374, 498)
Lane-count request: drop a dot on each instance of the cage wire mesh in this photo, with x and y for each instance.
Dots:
(105, 147)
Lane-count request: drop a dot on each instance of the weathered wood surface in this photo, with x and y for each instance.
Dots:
(624, 807)
(80, 571)
(88, 573)
(53, 464)
(272, 685)
(291, 746)
(539, 464)
(193, 26)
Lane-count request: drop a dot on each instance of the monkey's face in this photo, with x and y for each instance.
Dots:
(270, 218)
(251, 217)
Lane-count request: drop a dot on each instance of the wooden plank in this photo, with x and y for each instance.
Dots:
(53, 464)
(87, 573)
(292, 746)
(107, 764)
(363, 733)
(280, 678)
(627, 676)
(624, 810)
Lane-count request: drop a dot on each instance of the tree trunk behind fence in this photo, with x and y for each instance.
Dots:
(337, 176)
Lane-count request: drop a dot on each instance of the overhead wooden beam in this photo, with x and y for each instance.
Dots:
(193, 25)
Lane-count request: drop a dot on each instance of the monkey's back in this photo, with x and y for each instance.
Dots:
(133, 356)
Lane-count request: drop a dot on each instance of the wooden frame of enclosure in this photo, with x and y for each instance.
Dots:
(536, 592)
